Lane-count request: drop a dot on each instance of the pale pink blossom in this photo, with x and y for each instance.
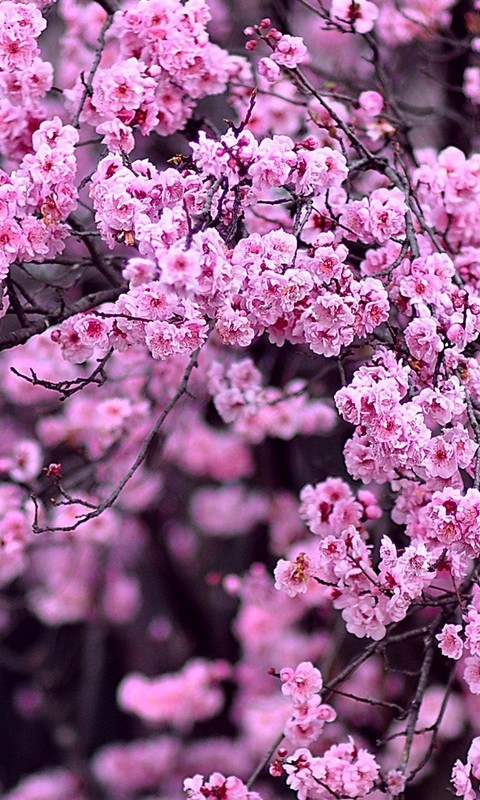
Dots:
(302, 683)
(359, 16)
(450, 642)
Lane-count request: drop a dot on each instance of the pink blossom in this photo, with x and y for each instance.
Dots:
(289, 51)
(319, 168)
(92, 330)
(360, 15)
(472, 674)
(26, 461)
(308, 721)
(269, 69)
(387, 212)
(450, 642)
(302, 683)
(423, 340)
(371, 102)
(293, 577)
(231, 788)
(178, 699)
(395, 782)
(461, 781)
(138, 765)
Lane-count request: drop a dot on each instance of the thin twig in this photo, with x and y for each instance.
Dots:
(87, 86)
(142, 453)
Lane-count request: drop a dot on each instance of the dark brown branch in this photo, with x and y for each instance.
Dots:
(68, 387)
(419, 695)
(370, 650)
(88, 238)
(86, 303)
(110, 6)
(87, 85)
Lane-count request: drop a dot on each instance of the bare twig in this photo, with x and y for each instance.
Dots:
(142, 453)
(88, 238)
(87, 85)
(69, 387)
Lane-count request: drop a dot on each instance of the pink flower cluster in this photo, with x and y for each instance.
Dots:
(462, 774)
(450, 519)
(370, 599)
(376, 218)
(21, 24)
(262, 284)
(149, 315)
(463, 642)
(303, 685)
(317, 302)
(228, 510)
(16, 513)
(24, 77)
(392, 437)
(358, 16)
(447, 183)
(257, 411)
(136, 766)
(274, 162)
(164, 63)
(48, 785)
(62, 573)
(414, 20)
(202, 450)
(343, 770)
(24, 462)
(217, 786)
(178, 699)
(37, 198)
(330, 507)
(287, 51)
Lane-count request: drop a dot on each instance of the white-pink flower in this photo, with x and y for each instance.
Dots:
(450, 642)
(357, 15)
(302, 682)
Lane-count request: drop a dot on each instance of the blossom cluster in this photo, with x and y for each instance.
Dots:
(179, 700)
(303, 685)
(370, 600)
(25, 78)
(164, 63)
(38, 197)
(217, 785)
(257, 411)
(262, 284)
(463, 773)
(199, 316)
(343, 769)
